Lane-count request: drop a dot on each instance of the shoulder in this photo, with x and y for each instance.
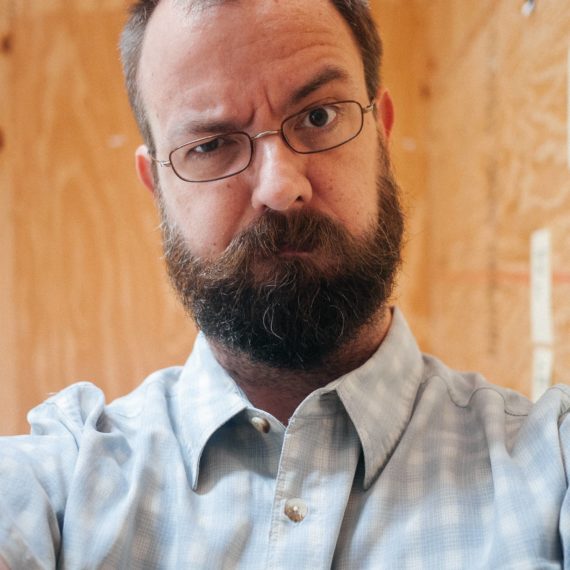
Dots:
(469, 390)
(479, 402)
(75, 437)
(83, 405)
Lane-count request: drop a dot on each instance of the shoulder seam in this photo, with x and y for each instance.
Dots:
(465, 405)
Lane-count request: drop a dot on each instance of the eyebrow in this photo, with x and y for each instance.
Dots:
(203, 128)
(327, 75)
(324, 77)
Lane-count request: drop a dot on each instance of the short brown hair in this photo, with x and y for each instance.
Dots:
(355, 12)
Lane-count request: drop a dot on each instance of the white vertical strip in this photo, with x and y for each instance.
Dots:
(542, 366)
(541, 287)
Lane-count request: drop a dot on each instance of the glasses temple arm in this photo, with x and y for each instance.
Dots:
(160, 162)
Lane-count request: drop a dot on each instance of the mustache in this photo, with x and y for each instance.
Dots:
(271, 234)
(301, 230)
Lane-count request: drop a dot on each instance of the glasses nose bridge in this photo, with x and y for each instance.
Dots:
(269, 133)
(264, 134)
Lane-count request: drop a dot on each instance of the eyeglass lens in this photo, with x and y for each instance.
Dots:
(314, 130)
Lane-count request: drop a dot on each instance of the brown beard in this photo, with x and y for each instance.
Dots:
(291, 311)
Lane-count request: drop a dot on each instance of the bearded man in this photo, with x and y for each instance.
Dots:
(306, 430)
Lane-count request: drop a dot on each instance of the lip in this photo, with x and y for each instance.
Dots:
(290, 251)
(293, 253)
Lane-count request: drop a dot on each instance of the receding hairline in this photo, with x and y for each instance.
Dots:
(355, 13)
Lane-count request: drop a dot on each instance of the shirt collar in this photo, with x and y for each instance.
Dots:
(208, 397)
(378, 397)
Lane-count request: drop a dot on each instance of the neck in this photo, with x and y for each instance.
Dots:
(280, 391)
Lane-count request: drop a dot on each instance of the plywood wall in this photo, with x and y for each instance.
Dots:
(488, 145)
(83, 292)
(479, 148)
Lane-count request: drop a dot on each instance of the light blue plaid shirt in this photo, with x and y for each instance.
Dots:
(400, 464)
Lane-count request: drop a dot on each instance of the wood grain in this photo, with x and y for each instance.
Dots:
(88, 296)
(495, 142)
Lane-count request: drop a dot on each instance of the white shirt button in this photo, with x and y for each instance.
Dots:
(296, 510)
(260, 424)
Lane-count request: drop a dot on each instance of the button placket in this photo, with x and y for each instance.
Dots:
(301, 500)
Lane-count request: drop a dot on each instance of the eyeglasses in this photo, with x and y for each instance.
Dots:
(322, 127)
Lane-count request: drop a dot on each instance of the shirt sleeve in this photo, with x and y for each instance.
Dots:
(36, 472)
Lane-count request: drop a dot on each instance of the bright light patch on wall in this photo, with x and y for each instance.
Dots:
(541, 311)
(542, 366)
(541, 287)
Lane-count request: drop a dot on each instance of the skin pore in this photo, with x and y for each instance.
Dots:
(246, 66)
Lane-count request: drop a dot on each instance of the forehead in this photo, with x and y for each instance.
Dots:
(242, 54)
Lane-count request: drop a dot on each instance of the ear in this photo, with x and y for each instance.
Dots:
(143, 164)
(385, 112)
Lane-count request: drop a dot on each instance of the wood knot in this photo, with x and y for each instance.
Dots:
(1, 140)
(425, 91)
(6, 44)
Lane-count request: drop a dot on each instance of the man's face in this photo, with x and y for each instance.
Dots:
(245, 66)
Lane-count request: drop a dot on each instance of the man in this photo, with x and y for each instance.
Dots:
(306, 430)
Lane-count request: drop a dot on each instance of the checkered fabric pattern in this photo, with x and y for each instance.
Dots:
(401, 464)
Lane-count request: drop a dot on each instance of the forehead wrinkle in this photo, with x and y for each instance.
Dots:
(204, 126)
(223, 119)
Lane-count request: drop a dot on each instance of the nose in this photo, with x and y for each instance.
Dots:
(280, 180)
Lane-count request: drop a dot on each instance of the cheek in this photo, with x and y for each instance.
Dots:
(348, 190)
(207, 216)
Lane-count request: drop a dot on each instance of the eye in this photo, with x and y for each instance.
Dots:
(319, 117)
(211, 147)
(207, 147)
